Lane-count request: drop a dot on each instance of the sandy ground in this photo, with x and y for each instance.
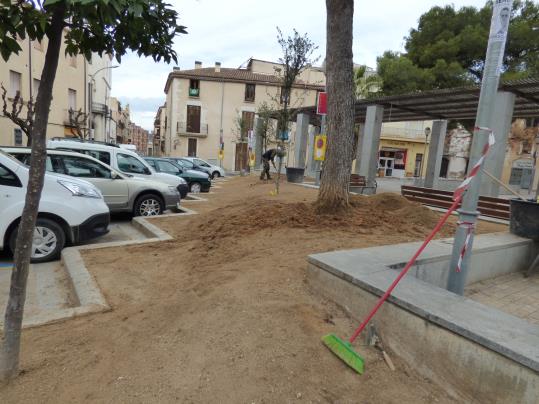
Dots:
(222, 313)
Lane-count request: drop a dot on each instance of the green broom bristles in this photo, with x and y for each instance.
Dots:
(343, 349)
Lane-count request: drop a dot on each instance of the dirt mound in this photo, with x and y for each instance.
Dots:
(367, 215)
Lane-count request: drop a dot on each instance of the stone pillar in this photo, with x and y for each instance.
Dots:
(370, 144)
(311, 170)
(258, 144)
(302, 132)
(436, 151)
(501, 125)
(361, 135)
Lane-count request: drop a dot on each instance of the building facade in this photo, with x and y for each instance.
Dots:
(22, 74)
(120, 120)
(403, 149)
(138, 137)
(204, 105)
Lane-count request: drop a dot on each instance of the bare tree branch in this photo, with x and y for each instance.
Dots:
(26, 124)
(77, 120)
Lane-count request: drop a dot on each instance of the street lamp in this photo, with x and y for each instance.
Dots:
(427, 133)
(91, 100)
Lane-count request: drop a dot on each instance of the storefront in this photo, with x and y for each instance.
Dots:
(392, 162)
(400, 158)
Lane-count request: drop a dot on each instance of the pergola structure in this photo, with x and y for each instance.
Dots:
(515, 99)
(446, 104)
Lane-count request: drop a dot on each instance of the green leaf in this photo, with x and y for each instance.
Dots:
(49, 2)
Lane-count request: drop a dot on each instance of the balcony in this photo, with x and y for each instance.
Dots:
(99, 108)
(183, 130)
(194, 92)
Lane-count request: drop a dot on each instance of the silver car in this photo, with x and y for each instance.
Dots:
(122, 193)
(212, 170)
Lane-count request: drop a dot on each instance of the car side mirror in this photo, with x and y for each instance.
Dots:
(147, 171)
(115, 176)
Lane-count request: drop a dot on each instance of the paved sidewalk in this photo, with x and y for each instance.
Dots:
(510, 293)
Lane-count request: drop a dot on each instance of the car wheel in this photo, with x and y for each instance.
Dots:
(215, 175)
(195, 188)
(148, 205)
(49, 239)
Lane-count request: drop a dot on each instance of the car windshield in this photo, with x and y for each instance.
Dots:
(187, 164)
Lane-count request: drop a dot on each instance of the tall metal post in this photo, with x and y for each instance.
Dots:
(489, 86)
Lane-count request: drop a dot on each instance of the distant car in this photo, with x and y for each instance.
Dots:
(198, 181)
(189, 165)
(213, 170)
(141, 197)
(71, 210)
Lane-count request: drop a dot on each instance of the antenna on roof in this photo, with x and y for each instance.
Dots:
(244, 64)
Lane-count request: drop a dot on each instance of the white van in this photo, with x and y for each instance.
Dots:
(71, 211)
(123, 160)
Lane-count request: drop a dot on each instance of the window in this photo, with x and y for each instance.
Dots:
(35, 87)
(248, 121)
(192, 148)
(187, 164)
(14, 84)
(193, 119)
(130, 164)
(81, 167)
(166, 167)
(194, 88)
(250, 92)
(102, 156)
(8, 178)
(25, 159)
(72, 99)
(283, 96)
(17, 133)
(151, 162)
(201, 163)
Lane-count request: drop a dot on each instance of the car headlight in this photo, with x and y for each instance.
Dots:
(172, 190)
(81, 190)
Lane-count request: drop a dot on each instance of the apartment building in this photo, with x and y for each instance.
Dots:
(159, 130)
(71, 90)
(120, 120)
(203, 106)
(138, 137)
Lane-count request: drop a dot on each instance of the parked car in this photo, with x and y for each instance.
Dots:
(71, 210)
(213, 170)
(123, 160)
(189, 165)
(141, 197)
(198, 181)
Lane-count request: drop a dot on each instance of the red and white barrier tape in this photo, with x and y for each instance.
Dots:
(466, 183)
(464, 186)
(469, 232)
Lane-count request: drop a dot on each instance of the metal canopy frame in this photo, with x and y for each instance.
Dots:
(453, 103)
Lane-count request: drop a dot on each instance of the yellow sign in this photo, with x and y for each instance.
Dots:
(320, 144)
(252, 159)
(221, 154)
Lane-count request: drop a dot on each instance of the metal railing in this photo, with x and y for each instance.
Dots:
(182, 129)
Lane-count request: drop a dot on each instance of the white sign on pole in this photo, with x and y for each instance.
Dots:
(501, 14)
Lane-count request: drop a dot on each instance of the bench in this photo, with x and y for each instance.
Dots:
(487, 206)
(358, 184)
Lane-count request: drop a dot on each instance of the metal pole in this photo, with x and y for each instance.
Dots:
(489, 87)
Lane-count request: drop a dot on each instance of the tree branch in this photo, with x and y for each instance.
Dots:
(26, 124)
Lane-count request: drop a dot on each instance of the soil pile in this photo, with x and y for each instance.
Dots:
(377, 214)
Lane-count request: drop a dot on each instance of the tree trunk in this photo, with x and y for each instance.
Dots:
(9, 363)
(333, 194)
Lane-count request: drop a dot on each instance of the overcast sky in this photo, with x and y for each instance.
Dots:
(231, 32)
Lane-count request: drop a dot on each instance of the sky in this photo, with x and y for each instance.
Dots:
(233, 31)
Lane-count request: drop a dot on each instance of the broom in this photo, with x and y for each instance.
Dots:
(343, 349)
